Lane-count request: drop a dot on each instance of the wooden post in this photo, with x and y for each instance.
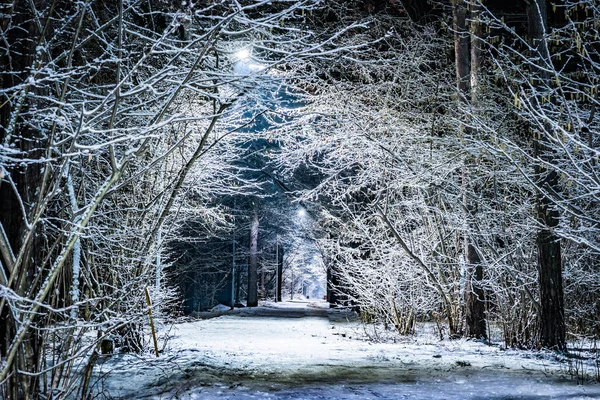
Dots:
(149, 302)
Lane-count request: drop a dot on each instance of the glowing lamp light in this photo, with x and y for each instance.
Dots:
(243, 55)
(301, 212)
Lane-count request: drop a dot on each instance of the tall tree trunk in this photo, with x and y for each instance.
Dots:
(20, 39)
(476, 53)
(252, 300)
(279, 271)
(468, 56)
(333, 297)
(233, 272)
(461, 49)
(475, 323)
(261, 286)
(552, 333)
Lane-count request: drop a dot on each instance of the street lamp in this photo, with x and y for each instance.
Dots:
(244, 64)
(242, 55)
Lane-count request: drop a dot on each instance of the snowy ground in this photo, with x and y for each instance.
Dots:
(292, 351)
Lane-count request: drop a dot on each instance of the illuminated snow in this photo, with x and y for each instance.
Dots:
(262, 353)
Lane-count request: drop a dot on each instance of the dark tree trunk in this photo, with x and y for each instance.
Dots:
(252, 300)
(477, 33)
(475, 323)
(279, 272)
(261, 286)
(468, 58)
(17, 60)
(461, 50)
(552, 333)
(333, 297)
(552, 319)
(239, 275)
(474, 296)
(15, 68)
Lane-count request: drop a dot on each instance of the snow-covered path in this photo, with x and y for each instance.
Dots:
(265, 353)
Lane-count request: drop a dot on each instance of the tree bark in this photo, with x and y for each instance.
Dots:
(477, 33)
(332, 281)
(475, 322)
(467, 51)
(20, 38)
(475, 326)
(552, 321)
(261, 286)
(552, 332)
(279, 272)
(252, 300)
(461, 50)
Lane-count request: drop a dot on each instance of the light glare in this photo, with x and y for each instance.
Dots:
(243, 54)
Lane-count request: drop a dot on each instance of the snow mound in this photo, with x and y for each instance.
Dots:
(220, 308)
(318, 304)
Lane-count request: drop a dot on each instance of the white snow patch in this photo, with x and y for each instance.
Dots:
(220, 308)
(243, 356)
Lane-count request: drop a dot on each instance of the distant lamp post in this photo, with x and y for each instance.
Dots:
(244, 64)
(242, 55)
